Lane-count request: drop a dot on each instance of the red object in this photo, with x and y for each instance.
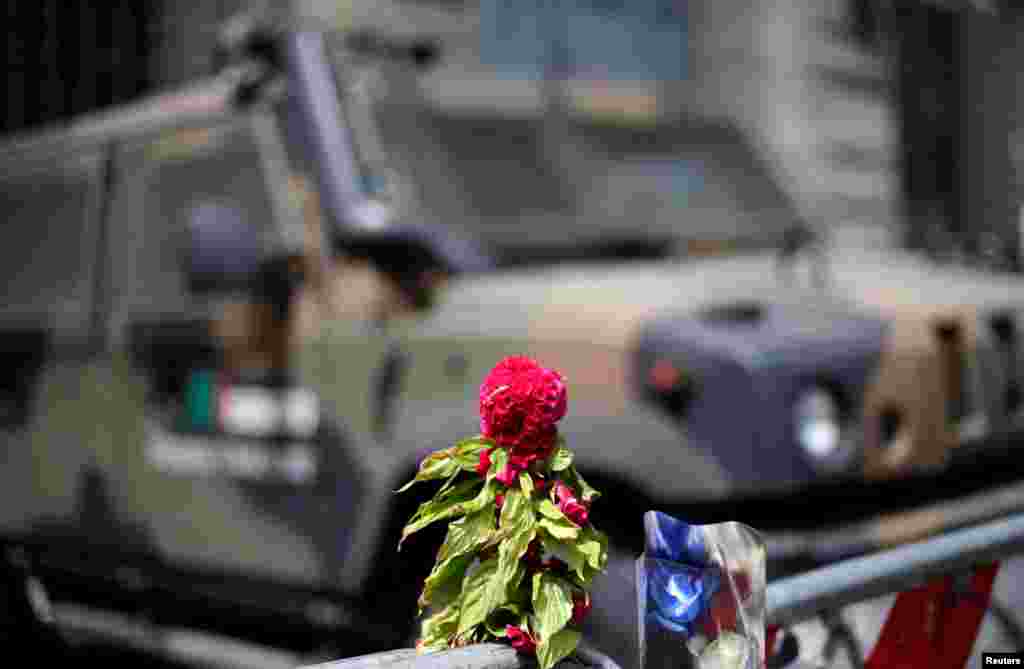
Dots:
(568, 504)
(722, 614)
(519, 462)
(934, 626)
(484, 464)
(520, 402)
(580, 607)
(771, 634)
(521, 640)
(664, 376)
(532, 556)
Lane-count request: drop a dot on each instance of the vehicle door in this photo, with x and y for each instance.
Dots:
(51, 203)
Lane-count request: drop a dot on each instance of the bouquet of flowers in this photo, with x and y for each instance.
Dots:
(520, 552)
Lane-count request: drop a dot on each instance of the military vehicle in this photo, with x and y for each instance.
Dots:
(227, 347)
(167, 464)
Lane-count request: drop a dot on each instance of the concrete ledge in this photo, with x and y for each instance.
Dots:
(480, 656)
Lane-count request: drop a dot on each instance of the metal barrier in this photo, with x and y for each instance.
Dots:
(480, 656)
(788, 601)
(809, 595)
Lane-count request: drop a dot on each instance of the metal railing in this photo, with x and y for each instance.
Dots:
(809, 595)
(814, 594)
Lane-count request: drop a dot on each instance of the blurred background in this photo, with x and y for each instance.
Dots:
(774, 246)
(873, 116)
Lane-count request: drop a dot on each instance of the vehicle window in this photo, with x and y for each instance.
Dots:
(596, 39)
(187, 200)
(226, 461)
(49, 213)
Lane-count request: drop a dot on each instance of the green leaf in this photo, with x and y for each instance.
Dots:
(464, 537)
(476, 600)
(462, 491)
(585, 556)
(499, 458)
(552, 604)
(519, 525)
(467, 452)
(555, 523)
(509, 614)
(526, 484)
(438, 629)
(594, 544)
(587, 493)
(561, 459)
(442, 586)
(467, 534)
(437, 465)
(563, 643)
(548, 509)
(567, 552)
(448, 462)
(562, 529)
(457, 501)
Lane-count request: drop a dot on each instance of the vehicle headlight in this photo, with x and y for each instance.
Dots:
(817, 423)
(822, 432)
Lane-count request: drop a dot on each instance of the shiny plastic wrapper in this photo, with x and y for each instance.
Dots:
(701, 595)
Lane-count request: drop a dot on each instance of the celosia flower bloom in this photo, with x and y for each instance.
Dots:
(505, 511)
(520, 403)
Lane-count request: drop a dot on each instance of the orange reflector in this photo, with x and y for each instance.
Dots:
(664, 376)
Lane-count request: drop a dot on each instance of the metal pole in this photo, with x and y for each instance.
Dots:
(806, 596)
(310, 72)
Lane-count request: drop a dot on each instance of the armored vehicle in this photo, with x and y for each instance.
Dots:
(227, 343)
(168, 460)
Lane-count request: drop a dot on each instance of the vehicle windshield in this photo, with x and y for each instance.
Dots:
(542, 161)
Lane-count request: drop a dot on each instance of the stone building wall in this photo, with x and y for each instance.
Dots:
(992, 140)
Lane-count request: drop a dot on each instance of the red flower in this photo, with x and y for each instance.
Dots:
(508, 475)
(484, 465)
(520, 402)
(568, 504)
(576, 512)
(499, 500)
(532, 555)
(519, 462)
(580, 607)
(521, 639)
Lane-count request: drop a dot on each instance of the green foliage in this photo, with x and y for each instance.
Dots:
(477, 601)
(439, 628)
(445, 464)
(559, 646)
(463, 498)
(552, 604)
(517, 519)
(587, 493)
(482, 580)
(562, 458)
